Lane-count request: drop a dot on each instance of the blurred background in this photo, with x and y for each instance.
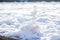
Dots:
(28, 0)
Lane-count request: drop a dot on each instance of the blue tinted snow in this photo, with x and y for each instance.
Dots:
(26, 34)
(55, 37)
(21, 20)
(43, 20)
(57, 22)
(9, 22)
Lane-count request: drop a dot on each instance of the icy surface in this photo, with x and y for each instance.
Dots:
(30, 21)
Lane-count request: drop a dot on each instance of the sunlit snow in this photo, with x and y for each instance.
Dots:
(30, 21)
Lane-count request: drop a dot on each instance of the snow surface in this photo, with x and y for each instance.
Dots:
(30, 21)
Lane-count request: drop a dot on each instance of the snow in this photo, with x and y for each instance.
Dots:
(30, 21)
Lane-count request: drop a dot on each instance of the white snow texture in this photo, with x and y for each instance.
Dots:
(30, 21)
